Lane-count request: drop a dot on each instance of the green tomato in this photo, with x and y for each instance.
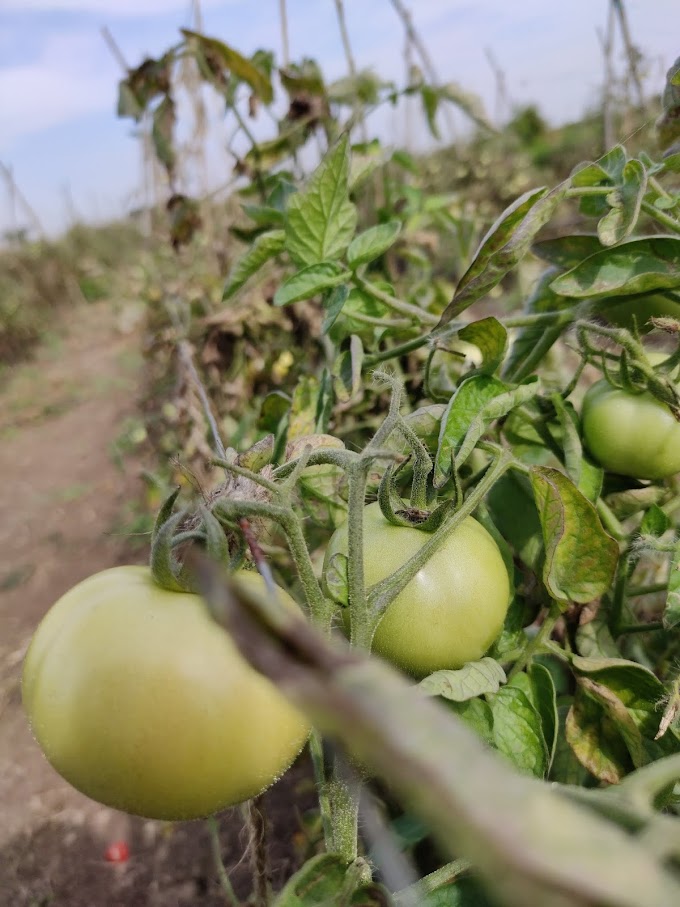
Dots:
(454, 607)
(141, 701)
(631, 434)
(626, 311)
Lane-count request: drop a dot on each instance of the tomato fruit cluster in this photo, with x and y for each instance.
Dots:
(142, 702)
(451, 611)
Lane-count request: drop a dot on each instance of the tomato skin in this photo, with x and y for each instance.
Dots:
(630, 434)
(451, 611)
(142, 702)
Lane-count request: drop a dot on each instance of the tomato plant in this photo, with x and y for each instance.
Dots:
(452, 609)
(632, 434)
(143, 703)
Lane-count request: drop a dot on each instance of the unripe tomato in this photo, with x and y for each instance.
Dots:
(631, 434)
(142, 702)
(454, 607)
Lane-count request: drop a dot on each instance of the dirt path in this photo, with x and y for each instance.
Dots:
(63, 499)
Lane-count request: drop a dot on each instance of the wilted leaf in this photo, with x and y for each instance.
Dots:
(595, 740)
(625, 200)
(475, 679)
(490, 338)
(347, 370)
(580, 557)
(506, 243)
(235, 63)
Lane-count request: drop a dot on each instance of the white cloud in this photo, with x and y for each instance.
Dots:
(72, 77)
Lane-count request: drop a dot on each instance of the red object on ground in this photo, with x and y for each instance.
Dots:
(118, 852)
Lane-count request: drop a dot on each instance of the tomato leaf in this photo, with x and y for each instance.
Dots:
(655, 522)
(584, 474)
(333, 301)
(320, 219)
(266, 246)
(513, 509)
(630, 695)
(580, 557)
(506, 243)
(475, 679)
(162, 133)
(533, 341)
(372, 243)
(538, 686)
(493, 409)
(636, 266)
(347, 370)
(625, 203)
(517, 731)
(309, 281)
(477, 714)
(237, 65)
(565, 252)
(595, 739)
(468, 399)
(490, 338)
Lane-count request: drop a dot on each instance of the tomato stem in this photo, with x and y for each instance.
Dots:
(535, 645)
(223, 878)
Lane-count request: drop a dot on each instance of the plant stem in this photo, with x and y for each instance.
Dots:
(395, 351)
(581, 191)
(537, 643)
(397, 305)
(317, 754)
(416, 894)
(661, 217)
(225, 883)
(609, 521)
(285, 46)
(641, 628)
(636, 591)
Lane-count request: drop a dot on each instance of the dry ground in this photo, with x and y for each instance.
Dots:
(63, 495)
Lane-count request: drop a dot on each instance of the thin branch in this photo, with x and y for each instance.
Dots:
(405, 15)
(631, 51)
(351, 64)
(607, 42)
(113, 46)
(285, 46)
(184, 352)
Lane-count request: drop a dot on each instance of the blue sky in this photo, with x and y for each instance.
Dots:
(60, 136)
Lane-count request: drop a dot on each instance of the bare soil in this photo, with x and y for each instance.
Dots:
(64, 494)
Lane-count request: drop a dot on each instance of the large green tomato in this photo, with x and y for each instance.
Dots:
(638, 309)
(631, 434)
(451, 611)
(142, 702)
